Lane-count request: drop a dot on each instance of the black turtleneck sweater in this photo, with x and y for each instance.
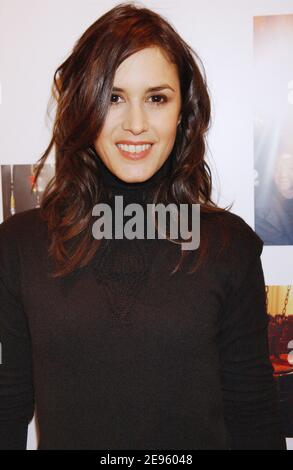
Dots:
(122, 355)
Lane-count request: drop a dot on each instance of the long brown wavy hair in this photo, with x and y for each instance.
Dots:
(82, 89)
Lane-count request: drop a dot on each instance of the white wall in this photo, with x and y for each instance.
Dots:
(36, 36)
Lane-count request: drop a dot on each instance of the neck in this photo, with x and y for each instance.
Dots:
(117, 186)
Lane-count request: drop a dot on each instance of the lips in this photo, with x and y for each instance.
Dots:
(133, 155)
(130, 142)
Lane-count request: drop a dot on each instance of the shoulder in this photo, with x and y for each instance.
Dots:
(22, 225)
(19, 234)
(233, 244)
(243, 238)
(240, 236)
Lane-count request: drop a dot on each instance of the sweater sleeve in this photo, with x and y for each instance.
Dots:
(250, 397)
(16, 389)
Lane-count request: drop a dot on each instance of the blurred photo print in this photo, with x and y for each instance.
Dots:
(280, 312)
(273, 126)
(17, 181)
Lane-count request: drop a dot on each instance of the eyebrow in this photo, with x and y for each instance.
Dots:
(154, 88)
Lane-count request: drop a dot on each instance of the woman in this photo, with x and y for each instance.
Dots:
(123, 343)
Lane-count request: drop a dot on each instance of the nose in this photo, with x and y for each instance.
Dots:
(135, 120)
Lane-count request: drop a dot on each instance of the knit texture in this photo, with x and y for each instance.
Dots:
(125, 355)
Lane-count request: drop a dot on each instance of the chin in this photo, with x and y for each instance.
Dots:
(136, 173)
(135, 179)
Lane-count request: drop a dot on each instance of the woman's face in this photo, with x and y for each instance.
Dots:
(284, 175)
(137, 114)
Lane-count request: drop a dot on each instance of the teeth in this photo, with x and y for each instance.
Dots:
(134, 148)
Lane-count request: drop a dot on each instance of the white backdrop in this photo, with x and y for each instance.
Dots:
(36, 36)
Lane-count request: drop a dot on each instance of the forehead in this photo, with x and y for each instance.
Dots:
(285, 160)
(150, 66)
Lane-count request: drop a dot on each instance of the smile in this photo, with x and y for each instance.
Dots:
(134, 152)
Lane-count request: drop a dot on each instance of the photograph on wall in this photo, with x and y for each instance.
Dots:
(17, 181)
(273, 124)
(280, 311)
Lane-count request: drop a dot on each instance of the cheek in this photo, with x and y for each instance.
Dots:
(169, 130)
(166, 121)
(104, 138)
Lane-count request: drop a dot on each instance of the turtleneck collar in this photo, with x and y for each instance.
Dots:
(117, 185)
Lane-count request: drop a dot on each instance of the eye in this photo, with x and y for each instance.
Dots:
(163, 99)
(114, 102)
